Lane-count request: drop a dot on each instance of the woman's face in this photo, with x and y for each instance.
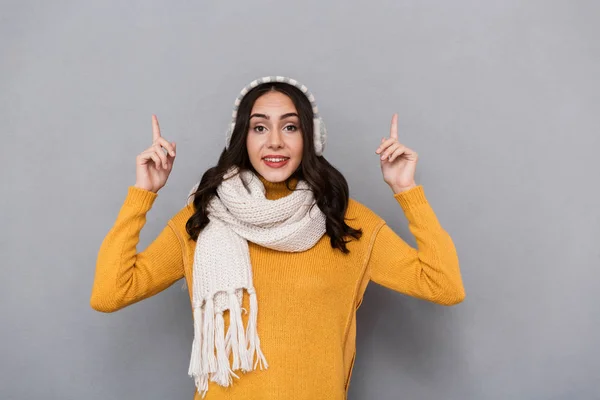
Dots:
(274, 139)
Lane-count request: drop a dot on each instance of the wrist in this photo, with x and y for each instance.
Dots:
(145, 188)
(400, 189)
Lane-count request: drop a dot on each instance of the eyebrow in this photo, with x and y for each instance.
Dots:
(284, 116)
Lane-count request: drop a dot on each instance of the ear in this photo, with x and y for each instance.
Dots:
(320, 135)
(228, 136)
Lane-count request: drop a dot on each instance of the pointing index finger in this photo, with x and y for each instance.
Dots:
(155, 128)
(394, 127)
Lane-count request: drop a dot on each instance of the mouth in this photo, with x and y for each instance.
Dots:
(275, 161)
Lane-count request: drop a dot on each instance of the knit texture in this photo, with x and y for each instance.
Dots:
(308, 299)
(222, 269)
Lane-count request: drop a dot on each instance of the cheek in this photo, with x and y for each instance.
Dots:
(297, 145)
(253, 146)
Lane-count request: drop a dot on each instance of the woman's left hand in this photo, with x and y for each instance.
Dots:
(398, 162)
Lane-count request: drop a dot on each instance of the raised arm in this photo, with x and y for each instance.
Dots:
(124, 276)
(431, 271)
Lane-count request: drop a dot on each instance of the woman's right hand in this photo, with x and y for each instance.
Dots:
(153, 166)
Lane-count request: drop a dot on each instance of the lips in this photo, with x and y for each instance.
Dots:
(275, 161)
(275, 158)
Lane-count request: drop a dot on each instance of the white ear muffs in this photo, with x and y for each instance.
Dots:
(320, 132)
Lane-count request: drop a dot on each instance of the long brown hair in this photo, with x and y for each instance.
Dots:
(327, 183)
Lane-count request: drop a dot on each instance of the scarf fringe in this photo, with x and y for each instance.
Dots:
(252, 334)
(236, 335)
(209, 361)
(195, 370)
(209, 336)
(224, 375)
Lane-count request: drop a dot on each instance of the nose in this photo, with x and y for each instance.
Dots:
(275, 141)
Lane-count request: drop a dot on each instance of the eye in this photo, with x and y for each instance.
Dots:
(259, 128)
(294, 128)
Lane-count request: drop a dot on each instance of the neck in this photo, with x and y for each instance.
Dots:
(277, 190)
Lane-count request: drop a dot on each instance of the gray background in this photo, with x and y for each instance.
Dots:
(499, 98)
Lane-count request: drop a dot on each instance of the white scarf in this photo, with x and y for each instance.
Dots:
(222, 269)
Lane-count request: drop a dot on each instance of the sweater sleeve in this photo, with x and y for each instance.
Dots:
(430, 272)
(124, 276)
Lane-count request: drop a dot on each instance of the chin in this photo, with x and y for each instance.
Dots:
(276, 175)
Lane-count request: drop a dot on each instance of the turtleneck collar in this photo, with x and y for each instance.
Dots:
(277, 190)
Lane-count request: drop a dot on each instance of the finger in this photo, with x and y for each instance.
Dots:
(173, 146)
(155, 128)
(166, 145)
(157, 155)
(161, 154)
(385, 144)
(411, 154)
(151, 154)
(397, 153)
(390, 150)
(394, 127)
(378, 150)
(174, 150)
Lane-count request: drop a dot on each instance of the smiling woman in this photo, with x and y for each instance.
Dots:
(273, 224)
(274, 141)
(275, 120)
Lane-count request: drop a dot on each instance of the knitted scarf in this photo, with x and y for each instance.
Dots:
(222, 270)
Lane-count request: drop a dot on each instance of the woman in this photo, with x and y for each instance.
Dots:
(272, 224)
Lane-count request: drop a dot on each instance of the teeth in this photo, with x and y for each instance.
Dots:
(275, 159)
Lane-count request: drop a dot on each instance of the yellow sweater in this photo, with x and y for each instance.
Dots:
(307, 301)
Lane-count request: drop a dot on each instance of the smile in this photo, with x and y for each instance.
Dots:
(276, 162)
(276, 159)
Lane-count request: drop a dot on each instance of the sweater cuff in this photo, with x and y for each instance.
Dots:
(141, 199)
(411, 198)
